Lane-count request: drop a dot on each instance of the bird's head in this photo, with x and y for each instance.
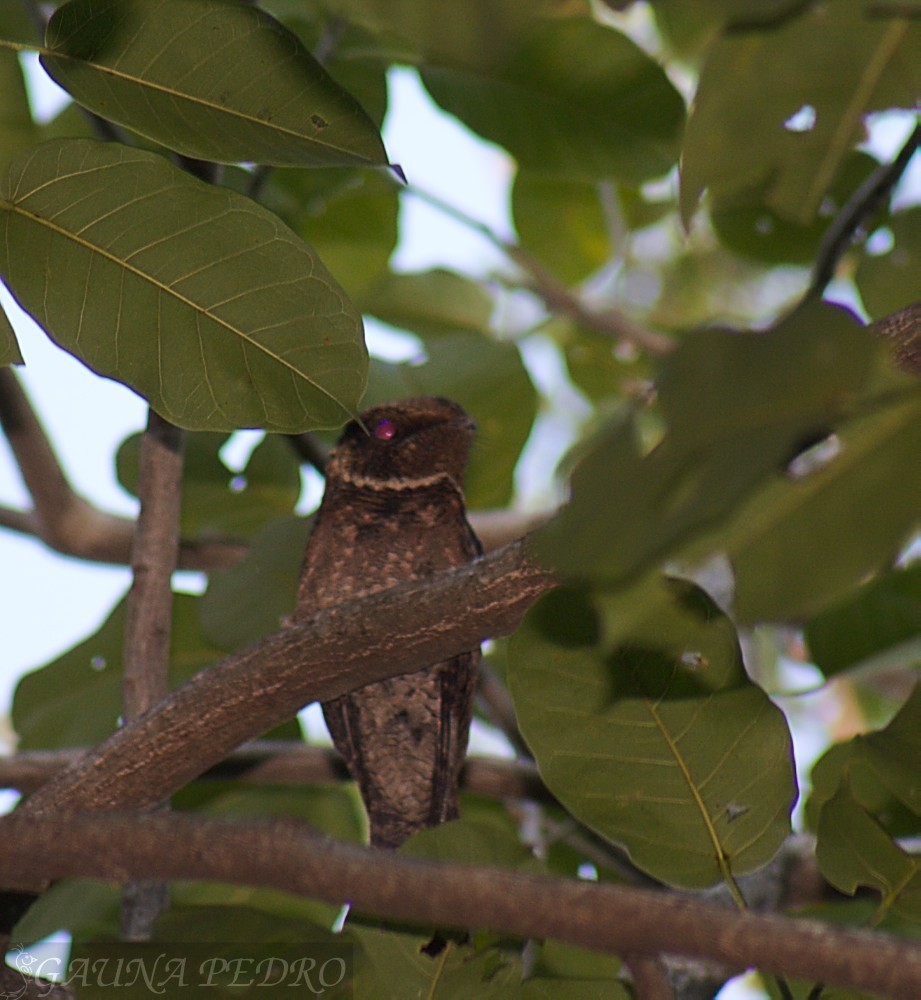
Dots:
(404, 444)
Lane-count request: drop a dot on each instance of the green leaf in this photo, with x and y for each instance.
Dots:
(76, 700)
(17, 129)
(196, 297)
(853, 850)
(737, 408)
(740, 134)
(786, 547)
(562, 223)
(213, 80)
(878, 621)
(264, 582)
(572, 98)
(889, 281)
(460, 970)
(436, 301)
(9, 345)
(216, 501)
(645, 726)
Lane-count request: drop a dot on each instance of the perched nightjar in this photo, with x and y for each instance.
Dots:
(393, 511)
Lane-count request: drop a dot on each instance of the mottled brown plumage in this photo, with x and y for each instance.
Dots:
(393, 511)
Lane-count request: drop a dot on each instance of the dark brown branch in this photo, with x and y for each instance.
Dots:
(902, 331)
(611, 918)
(863, 203)
(313, 659)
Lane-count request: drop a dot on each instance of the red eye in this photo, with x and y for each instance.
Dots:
(385, 430)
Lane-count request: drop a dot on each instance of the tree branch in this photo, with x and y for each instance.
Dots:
(315, 658)
(611, 918)
(148, 622)
(863, 203)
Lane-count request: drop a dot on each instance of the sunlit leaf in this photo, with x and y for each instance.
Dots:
(196, 297)
(563, 223)
(881, 617)
(645, 726)
(764, 112)
(210, 79)
(572, 98)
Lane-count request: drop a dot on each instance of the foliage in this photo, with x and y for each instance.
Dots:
(778, 445)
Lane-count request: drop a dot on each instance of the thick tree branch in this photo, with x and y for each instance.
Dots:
(313, 659)
(618, 919)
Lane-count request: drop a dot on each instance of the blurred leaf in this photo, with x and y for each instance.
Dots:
(562, 223)
(348, 217)
(645, 726)
(549, 988)
(264, 582)
(752, 228)
(76, 699)
(571, 98)
(436, 301)
(737, 408)
(212, 80)
(557, 960)
(460, 970)
(197, 298)
(891, 280)
(879, 617)
(9, 345)
(853, 850)
(743, 132)
(216, 501)
(786, 545)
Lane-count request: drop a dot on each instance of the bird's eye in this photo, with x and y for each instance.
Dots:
(385, 430)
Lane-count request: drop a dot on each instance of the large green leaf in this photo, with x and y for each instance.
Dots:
(645, 726)
(196, 297)
(879, 621)
(737, 408)
(17, 129)
(834, 64)
(210, 79)
(891, 280)
(572, 98)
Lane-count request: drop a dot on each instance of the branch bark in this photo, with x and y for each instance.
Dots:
(313, 659)
(618, 919)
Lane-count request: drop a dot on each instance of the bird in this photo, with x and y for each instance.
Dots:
(393, 511)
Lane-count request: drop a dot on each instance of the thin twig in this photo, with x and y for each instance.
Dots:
(864, 202)
(555, 295)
